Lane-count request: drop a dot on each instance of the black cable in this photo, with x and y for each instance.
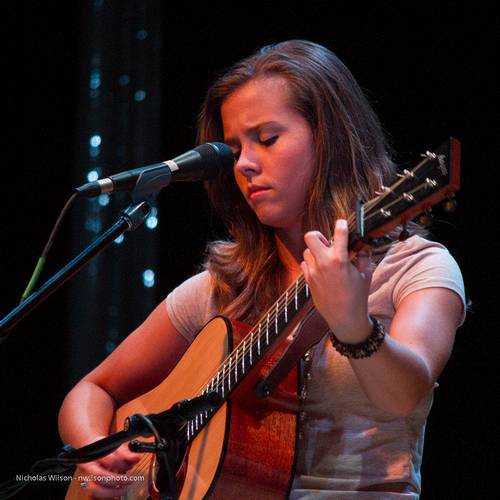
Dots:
(161, 447)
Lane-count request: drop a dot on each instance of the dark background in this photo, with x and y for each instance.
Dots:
(430, 73)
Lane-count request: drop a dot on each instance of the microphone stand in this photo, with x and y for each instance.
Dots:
(130, 219)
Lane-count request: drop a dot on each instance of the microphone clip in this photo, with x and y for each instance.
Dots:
(150, 182)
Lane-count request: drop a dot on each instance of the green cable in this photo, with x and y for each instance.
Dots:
(34, 278)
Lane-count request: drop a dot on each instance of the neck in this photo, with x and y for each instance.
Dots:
(290, 247)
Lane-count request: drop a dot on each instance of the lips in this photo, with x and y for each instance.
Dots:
(255, 191)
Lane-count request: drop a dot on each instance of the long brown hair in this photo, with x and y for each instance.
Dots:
(351, 162)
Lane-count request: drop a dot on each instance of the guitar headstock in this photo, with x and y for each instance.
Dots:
(435, 178)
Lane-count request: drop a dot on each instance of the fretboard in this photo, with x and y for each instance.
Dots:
(253, 347)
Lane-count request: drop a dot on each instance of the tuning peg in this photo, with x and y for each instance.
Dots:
(404, 234)
(450, 204)
(426, 218)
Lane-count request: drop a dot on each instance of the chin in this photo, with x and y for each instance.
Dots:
(272, 220)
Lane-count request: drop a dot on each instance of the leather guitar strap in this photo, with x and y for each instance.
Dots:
(308, 333)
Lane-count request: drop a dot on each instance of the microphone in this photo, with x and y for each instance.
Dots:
(190, 408)
(199, 164)
(178, 413)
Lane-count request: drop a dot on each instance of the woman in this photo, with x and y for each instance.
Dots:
(307, 145)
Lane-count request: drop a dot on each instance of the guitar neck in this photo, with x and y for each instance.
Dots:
(253, 347)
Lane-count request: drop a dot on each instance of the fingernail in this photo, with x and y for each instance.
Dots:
(341, 224)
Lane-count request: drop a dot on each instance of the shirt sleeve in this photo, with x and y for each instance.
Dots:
(429, 265)
(190, 306)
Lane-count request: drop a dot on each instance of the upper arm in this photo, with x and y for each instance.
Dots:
(142, 360)
(426, 321)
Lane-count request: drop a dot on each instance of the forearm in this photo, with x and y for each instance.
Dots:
(85, 414)
(394, 378)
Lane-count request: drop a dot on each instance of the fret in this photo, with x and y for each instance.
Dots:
(223, 377)
(251, 347)
(243, 359)
(229, 373)
(286, 306)
(296, 294)
(206, 392)
(267, 329)
(276, 318)
(236, 366)
(307, 290)
(258, 340)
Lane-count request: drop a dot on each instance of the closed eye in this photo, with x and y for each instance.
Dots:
(270, 141)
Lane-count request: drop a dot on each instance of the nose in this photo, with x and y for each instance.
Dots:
(247, 163)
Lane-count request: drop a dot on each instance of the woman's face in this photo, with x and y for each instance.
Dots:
(273, 147)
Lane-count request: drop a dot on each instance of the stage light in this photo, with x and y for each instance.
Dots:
(103, 200)
(93, 225)
(95, 141)
(148, 278)
(152, 220)
(95, 79)
(93, 175)
(124, 80)
(140, 95)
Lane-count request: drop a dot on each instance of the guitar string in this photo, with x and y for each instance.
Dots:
(239, 352)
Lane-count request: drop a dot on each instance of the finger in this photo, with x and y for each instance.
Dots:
(308, 257)
(341, 239)
(317, 244)
(305, 270)
(119, 462)
(364, 263)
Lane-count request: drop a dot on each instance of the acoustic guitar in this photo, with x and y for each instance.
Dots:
(245, 447)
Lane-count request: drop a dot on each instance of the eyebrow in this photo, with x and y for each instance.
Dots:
(251, 130)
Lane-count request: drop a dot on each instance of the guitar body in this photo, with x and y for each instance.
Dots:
(247, 448)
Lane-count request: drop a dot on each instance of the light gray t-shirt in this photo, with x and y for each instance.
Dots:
(346, 443)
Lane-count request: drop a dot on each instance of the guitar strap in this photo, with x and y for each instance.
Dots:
(307, 333)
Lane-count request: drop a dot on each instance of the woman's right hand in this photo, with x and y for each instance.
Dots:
(106, 477)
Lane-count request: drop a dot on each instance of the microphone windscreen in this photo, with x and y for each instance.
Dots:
(203, 162)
